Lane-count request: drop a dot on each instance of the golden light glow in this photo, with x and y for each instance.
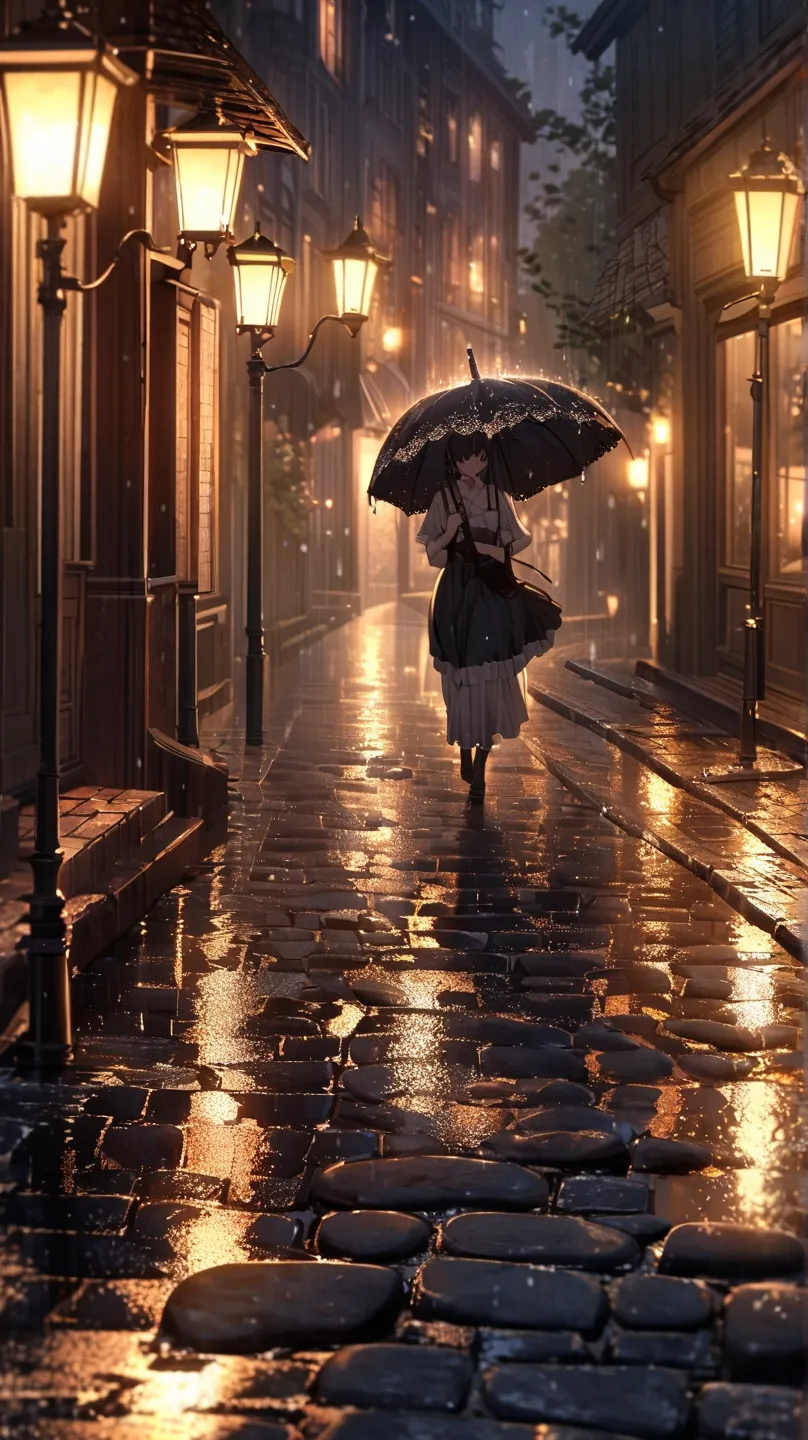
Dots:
(58, 107)
(768, 194)
(612, 605)
(638, 472)
(392, 339)
(208, 166)
(260, 272)
(354, 281)
(662, 430)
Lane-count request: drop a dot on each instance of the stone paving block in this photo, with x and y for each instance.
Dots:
(483, 1292)
(393, 1376)
(753, 1412)
(247, 1308)
(647, 1404)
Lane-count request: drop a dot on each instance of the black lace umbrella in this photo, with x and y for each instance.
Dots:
(539, 433)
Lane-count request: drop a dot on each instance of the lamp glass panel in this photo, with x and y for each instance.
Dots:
(100, 94)
(259, 292)
(370, 281)
(742, 210)
(765, 224)
(350, 282)
(791, 205)
(208, 179)
(44, 111)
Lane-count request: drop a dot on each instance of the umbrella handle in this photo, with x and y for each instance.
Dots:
(475, 374)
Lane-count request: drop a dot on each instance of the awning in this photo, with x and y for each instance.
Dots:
(636, 277)
(385, 394)
(186, 59)
(375, 414)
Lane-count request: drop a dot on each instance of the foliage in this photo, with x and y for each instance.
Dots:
(286, 482)
(574, 203)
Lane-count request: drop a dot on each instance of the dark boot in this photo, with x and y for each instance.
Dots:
(466, 765)
(477, 791)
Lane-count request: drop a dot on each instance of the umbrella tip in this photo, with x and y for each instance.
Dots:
(475, 374)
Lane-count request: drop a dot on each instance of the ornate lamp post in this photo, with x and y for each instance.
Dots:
(260, 272)
(768, 192)
(58, 88)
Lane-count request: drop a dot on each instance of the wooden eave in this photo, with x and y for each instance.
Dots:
(186, 59)
(611, 20)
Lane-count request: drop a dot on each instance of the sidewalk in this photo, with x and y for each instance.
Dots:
(747, 840)
(403, 1119)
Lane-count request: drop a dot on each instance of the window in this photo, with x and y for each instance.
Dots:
(790, 376)
(738, 364)
(475, 147)
(384, 210)
(495, 155)
(477, 268)
(206, 384)
(425, 134)
(493, 270)
(452, 129)
(451, 259)
(332, 19)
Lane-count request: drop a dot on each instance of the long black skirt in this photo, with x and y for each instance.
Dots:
(480, 643)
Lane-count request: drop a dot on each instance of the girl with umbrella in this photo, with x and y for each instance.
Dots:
(461, 456)
(484, 627)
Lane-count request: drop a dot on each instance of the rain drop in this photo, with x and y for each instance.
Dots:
(583, 477)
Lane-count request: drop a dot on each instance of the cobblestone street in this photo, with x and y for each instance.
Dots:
(494, 1068)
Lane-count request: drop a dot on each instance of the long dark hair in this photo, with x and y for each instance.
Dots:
(462, 447)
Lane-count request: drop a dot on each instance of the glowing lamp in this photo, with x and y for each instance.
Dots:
(768, 191)
(356, 265)
(638, 473)
(59, 87)
(392, 339)
(662, 430)
(208, 157)
(612, 605)
(260, 272)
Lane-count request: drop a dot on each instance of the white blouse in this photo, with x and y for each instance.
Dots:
(501, 523)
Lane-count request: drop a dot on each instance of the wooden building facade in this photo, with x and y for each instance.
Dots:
(413, 126)
(698, 84)
(145, 424)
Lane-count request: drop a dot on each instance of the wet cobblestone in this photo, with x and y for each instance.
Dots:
(405, 1118)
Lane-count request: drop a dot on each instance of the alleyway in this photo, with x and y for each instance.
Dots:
(502, 1052)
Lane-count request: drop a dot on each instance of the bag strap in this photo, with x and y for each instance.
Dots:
(528, 566)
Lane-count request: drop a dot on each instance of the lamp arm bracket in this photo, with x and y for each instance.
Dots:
(143, 237)
(351, 322)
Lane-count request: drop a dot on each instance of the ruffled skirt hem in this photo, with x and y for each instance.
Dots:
(479, 714)
(492, 670)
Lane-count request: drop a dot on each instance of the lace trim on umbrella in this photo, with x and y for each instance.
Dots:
(506, 418)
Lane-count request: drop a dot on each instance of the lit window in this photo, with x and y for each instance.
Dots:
(451, 259)
(493, 269)
(495, 155)
(790, 369)
(477, 265)
(475, 147)
(739, 361)
(331, 34)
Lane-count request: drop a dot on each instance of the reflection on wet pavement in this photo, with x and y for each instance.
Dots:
(376, 999)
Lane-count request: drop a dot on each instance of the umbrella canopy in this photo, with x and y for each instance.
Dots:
(538, 433)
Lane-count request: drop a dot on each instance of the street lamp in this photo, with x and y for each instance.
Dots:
(356, 265)
(260, 272)
(208, 154)
(59, 87)
(768, 192)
